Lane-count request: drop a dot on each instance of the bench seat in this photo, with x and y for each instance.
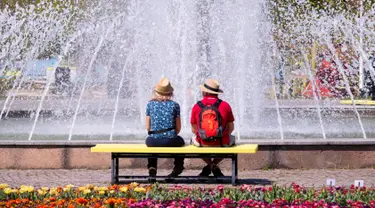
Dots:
(189, 151)
(358, 102)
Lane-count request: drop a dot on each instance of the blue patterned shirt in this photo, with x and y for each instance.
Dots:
(163, 115)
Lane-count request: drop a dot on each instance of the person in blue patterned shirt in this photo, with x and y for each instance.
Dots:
(163, 124)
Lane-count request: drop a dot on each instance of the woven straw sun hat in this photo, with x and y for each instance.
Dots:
(211, 86)
(164, 87)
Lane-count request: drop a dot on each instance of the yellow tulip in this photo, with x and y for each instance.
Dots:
(134, 184)
(101, 192)
(140, 189)
(81, 188)
(44, 188)
(69, 186)
(53, 191)
(30, 189)
(41, 192)
(7, 190)
(124, 189)
(112, 191)
(3, 185)
(101, 188)
(87, 191)
(24, 189)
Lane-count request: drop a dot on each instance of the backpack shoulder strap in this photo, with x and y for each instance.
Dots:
(217, 103)
(200, 104)
(216, 109)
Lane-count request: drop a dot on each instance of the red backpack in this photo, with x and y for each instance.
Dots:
(210, 122)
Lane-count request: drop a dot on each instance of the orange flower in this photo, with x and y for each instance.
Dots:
(61, 202)
(10, 203)
(52, 199)
(121, 199)
(148, 188)
(42, 206)
(52, 204)
(59, 189)
(111, 201)
(71, 206)
(82, 201)
(97, 205)
(114, 187)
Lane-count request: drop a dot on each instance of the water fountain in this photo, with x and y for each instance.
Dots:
(136, 43)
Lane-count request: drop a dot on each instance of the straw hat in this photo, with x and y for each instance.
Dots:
(164, 87)
(211, 86)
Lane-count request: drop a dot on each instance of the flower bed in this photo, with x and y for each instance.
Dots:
(135, 195)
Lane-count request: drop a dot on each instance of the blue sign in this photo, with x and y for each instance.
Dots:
(38, 68)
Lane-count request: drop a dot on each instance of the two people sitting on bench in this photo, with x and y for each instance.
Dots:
(211, 122)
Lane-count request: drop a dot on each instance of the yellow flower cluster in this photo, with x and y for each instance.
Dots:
(3, 185)
(8, 191)
(67, 188)
(86, 190)
(139, 189)
(26, 189)
(102, 189)
(124, 189)
(53, 191)
(43, 191)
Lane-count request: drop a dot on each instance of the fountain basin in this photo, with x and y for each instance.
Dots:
(287, 153)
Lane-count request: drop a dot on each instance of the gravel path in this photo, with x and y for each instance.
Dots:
(60, 177)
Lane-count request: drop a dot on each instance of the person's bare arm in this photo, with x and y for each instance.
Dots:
(230, 127)
(194, 128)
(148, 123)
(178, 125)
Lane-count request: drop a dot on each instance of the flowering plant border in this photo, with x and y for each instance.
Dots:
(136, 195)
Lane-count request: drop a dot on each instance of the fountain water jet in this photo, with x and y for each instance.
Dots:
(128, 58)
(347, 87)
(86, 76)
(315, 91)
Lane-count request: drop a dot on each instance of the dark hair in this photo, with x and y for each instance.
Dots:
(208, 94)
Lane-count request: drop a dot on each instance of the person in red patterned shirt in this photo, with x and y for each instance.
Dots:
(212, 123)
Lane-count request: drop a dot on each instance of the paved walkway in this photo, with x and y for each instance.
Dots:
(60, 177)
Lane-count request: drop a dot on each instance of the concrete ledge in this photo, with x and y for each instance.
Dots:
(288, 153)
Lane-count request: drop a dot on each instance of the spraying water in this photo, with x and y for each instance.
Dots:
(118, 94)
(188, 42)
(85, 81)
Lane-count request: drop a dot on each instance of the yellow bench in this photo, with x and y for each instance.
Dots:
(358, 102)
(189, 151)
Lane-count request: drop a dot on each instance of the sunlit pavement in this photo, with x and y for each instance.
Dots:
(60, 177)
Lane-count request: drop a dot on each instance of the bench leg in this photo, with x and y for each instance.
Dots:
(234, 169)
(113, 167)
(117, 170)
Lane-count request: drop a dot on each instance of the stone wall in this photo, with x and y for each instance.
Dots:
(268, 156)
